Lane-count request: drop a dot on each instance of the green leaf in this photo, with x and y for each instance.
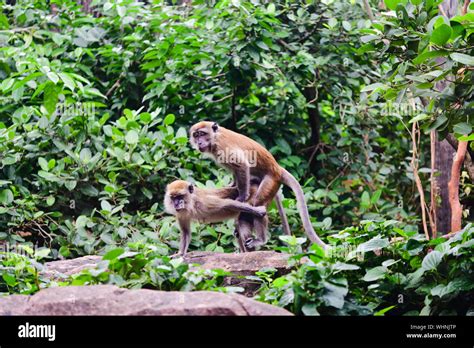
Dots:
(441, 34)
(462, 58)
(51, 163)
(131, 137)
(392, 4)
(340, 266)
(50, 99)
(428, 55)
(4, 22)
(85, 155)
(67, 80)
(365, 200)
(462, 128)
(48, 176)
(113, 254)
(42, 253)
(9, 279)
(309, 309)
(169, 119)
(53, 77)
(373, 86)
(374, 274)
(64, 251)
(383, 311)
(271, 9)
(373, 244)
(431, 260)
(376, 196)
(105, 205)
(43, 164)
(90, 190)
(50, 201)
(283, 146)
(6, 196)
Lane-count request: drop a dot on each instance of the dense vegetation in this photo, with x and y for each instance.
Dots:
(95, 104)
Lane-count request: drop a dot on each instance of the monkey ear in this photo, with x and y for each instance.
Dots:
(191, 188)
(215, 126)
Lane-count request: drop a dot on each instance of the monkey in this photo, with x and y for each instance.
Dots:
(247, 159)
(189, 203)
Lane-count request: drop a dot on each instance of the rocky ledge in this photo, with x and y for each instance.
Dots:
(111, 300)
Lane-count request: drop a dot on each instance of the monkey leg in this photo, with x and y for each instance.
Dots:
(243, 230)
(185, 227)
(260, 225)
(239, 240)
(266, 191)
(242, 177)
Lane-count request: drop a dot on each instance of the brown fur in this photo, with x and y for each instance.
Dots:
(205, 205)
(216, 139)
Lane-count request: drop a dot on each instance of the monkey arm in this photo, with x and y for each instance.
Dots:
(185, 227)
(243, 207)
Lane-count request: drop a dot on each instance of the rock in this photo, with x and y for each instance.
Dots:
(244, 264)
(64, 268)
(241, 265)
(111, 300)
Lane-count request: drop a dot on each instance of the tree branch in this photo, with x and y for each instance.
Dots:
(453, 187)
(368, 9)
(419, 185)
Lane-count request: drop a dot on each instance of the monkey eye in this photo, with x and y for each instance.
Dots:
(198, 134)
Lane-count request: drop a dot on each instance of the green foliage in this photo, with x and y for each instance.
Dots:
(94, 112)
(428, 59)
(142, 266)
(19, 271)
(379, 269)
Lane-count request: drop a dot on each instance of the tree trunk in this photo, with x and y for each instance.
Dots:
(310, 94)
(443, 165)
(453, 187)
(447, 209)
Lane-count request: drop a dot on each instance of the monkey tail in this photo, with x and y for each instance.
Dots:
(281, 211)
(290, 181)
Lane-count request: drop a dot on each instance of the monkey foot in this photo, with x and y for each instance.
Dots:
(251, 244)
(242, 198)
(261, 211)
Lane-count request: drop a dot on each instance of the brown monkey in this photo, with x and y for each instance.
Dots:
(189, 203)
(248, 159)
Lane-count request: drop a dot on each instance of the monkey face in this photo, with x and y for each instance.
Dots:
(178, 197)
(202, 140)
(202, 136)
(179, 202)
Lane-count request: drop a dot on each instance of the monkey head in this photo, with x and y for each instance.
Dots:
(202, 135)
(178, 197)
